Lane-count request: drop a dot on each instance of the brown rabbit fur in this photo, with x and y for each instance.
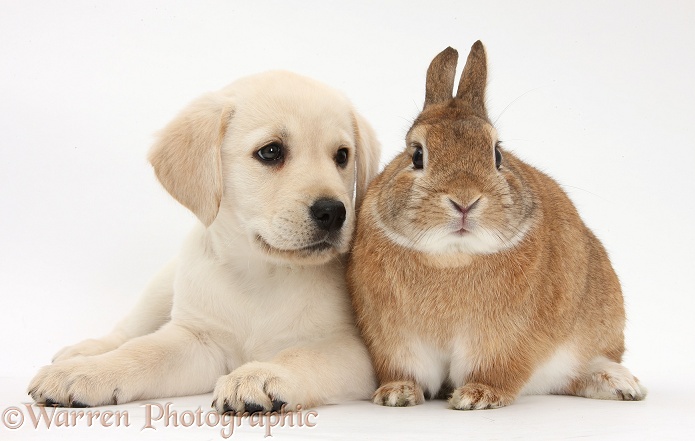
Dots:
(479, 277)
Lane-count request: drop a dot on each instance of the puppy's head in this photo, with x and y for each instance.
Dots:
(276, 160)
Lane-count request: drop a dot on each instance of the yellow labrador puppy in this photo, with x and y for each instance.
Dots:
(255, 305)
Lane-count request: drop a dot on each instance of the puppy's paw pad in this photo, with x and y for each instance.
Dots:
(253, 407)
(475, 396)
(78, 382)
(253, 387)
(278, 405)
(48, 402)
(50, 386)
(399, 394)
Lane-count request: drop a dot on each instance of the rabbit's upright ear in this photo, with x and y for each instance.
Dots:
(440, 77)
(187, 156)
(474, 79)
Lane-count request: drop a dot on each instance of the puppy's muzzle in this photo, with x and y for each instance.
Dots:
(328, 214)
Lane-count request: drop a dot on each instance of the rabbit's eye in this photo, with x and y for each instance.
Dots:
(498, 156)
(417, 158)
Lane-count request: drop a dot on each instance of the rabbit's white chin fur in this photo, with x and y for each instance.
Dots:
(444, 240)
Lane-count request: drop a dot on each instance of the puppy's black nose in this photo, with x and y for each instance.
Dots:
(328, 214)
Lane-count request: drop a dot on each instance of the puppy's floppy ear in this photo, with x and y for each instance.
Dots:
(368, 152)
(187, 156)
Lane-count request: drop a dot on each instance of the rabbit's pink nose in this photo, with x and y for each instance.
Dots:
(464, 210)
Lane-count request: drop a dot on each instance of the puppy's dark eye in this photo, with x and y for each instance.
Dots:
(270, 153)
(341, 157)
(418, 157)
(498, 156)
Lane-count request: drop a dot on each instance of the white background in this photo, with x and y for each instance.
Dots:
(597, 93)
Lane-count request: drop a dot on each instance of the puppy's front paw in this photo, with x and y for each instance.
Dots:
(399, 394)
(78, 382)
(478, 396)
(254, 387)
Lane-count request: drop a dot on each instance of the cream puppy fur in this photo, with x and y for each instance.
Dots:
(255, 306)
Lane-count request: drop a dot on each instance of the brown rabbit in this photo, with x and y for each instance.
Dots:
(471, 271)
